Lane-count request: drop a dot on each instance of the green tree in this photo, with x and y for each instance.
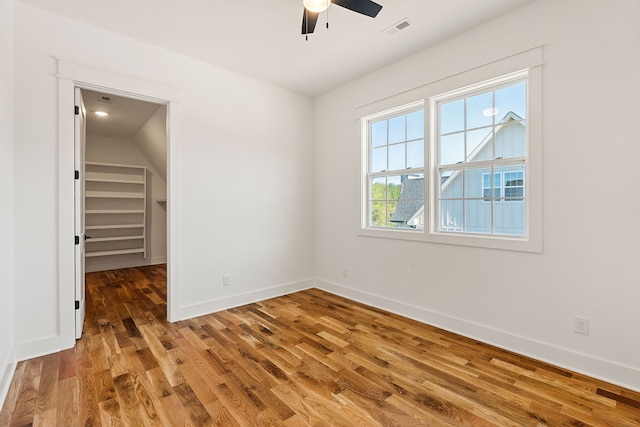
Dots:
(384, 202)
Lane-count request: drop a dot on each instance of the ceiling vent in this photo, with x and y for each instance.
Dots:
(396, 27)
(106, 99)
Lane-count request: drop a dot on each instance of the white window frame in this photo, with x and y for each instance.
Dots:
(366, 136)
(529, 60)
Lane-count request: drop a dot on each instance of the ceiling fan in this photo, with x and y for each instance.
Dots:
(313, 8)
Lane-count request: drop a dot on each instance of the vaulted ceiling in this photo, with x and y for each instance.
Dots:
(261, 38)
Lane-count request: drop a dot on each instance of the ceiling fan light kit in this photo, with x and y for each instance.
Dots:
(316, 6)
(312, 8)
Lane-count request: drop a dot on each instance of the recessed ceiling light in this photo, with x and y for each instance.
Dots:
(101, 114)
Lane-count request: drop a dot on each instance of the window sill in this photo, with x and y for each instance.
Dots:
(518, 244)
(400, 234)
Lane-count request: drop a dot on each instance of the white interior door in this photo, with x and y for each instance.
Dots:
(80, 133)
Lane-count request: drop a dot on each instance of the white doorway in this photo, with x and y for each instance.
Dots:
(125, 182)
(71, 76)
(121, 153)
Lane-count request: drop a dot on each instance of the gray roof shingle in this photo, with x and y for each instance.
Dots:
(411, 200)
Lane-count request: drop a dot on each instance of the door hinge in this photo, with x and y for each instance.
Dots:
(77, 174)
(77, 305)
(77, 110)
(77, 240)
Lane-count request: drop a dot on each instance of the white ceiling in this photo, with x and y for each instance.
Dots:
(261, 38)
(125, 118)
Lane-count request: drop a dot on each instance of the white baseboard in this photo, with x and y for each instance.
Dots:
(40, 347)
(7, 370)
(624, 376)
(158, 260)
(116, 265)
(212, 306)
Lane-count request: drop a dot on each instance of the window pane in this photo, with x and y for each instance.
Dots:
(479, 145)
(379, 159)
(479, 110)
(391, 208)
(415, 125)
(450, 184)
(511, 140)
(477, 216)
(379, 133)
(394, 187)
(378, 214)
(397, 157)
(415, 154)
(509, 218)
(451, 117)
(451, 215)
(397, 129)
(378, 189)
(409, 191)
(473, 182)
(509, 212)
(512, 99)
(452, 149)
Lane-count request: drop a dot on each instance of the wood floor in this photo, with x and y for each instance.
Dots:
(310, 358)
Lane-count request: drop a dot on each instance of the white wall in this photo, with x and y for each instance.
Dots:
(589, 267)
(109, 150)
(244, 176)
(151, 140)
(6, 195)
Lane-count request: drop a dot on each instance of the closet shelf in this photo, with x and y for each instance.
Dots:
(112, 226)
(112, 239)
(113, 181)
(113, 195)
(115, 252)
(115, 209)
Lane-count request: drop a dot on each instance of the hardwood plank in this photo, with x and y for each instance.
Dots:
(308, 358)
(48, 387)
(44, 419)
(68, 410)
(25, 407)
(89, 411)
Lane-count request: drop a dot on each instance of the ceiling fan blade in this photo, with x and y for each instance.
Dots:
(365, 7)
(309, 20)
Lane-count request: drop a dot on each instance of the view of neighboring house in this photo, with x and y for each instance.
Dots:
(410, 210)
(500, 198)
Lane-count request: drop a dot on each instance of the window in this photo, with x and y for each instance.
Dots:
(489, 188)
(461, 166)
(514, 186)
(513, 189)
(395, 177)
(481, 132)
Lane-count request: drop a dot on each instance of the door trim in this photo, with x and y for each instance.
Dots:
(71, 75)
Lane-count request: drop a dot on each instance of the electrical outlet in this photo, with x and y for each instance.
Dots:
(226, 280)
(581, 325)
(345, 272)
